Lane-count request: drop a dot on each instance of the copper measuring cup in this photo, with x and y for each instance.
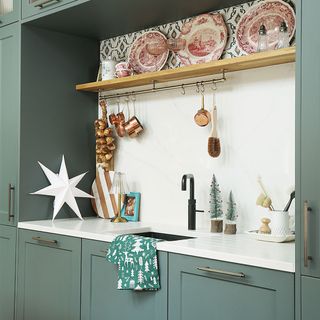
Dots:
(118, 121)
(133, 126)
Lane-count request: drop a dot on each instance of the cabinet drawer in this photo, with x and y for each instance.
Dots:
(203, 289)
(34, 7)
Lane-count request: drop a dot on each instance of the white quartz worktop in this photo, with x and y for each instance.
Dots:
(231, 248)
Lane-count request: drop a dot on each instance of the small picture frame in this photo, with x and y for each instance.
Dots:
(131, 206)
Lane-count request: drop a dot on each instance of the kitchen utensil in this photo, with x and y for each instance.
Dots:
(267, 13)
(205, 36)
(292, 196)
(214, 146)
(259, 180)
(133, 126)
(202, 117)
(118, 120)
(140, 59)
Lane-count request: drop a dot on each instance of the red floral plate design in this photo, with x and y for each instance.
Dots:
(140, 59)
(270, 14)
(206, 38)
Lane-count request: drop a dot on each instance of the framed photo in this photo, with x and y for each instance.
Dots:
(131, 206)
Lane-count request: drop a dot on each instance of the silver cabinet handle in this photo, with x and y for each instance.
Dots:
(44, 3)
(47, 241)
(10, 200)
(306, 211)
(222, 272)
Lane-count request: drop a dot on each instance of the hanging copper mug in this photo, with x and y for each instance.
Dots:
(133, 126)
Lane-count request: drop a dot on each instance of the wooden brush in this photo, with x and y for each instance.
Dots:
(214, 147)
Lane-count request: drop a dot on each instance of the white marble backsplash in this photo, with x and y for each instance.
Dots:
(256, 127)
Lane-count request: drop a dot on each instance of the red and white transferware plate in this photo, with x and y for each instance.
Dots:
(140, 59)
(206, 38)
(270, 14)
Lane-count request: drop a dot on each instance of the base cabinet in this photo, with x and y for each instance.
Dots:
(207, 289)
(49, 267)
(310, 293)
(7, 271)
(100, 298)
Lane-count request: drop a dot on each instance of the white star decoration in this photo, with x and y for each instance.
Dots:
(63, 189)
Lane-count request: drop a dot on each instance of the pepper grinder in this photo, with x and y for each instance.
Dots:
(263, 39)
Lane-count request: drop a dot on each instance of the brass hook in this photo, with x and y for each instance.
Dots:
(202, 88)
(198, 87)
(183, 92)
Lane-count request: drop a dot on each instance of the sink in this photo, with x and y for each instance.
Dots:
(163, 236)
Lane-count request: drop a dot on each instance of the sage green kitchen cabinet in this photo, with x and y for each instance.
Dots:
(9, 11)
(100, 298)
(49, 267)
(9, 121)
(307, 162)
(7, 271)
(205, 289)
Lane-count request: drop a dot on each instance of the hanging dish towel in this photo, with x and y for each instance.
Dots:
(137, 262)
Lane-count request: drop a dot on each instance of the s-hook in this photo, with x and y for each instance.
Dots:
(183, 90)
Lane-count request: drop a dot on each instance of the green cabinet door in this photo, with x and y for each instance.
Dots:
(9, 121)
(9, 11)
(310, 298)
(309, 154)
(48, 274)
(205, 289)
(7, 271)
(100, 300)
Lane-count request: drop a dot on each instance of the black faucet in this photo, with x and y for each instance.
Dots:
(191, 202)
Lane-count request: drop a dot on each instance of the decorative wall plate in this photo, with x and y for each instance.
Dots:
(140, 59)
(206, 38)
(270, 14)
(254, 234)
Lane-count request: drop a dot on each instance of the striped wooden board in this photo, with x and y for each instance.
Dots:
(104, 203)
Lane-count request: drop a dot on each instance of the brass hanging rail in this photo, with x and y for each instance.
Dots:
(156, 89)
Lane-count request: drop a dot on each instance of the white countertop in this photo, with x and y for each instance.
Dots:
(231, 248)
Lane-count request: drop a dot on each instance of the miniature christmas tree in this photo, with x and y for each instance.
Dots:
(215, 200)
(232, 208)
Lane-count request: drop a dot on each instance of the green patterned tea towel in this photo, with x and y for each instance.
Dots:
(137, 262)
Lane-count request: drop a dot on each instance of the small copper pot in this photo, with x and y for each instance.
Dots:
(118, 121)
(202, 117)
(133, 127)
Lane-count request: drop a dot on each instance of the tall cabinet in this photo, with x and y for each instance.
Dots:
(307, 162)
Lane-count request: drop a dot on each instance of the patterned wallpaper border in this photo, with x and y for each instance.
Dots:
(118, 47)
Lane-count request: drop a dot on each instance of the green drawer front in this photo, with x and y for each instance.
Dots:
(100, 300)
(233, 291)
(49, 269)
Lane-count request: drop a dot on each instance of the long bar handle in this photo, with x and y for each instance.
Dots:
(44, 3)
(306, 211)
(222, 272)
(47, 241)
(10, 199)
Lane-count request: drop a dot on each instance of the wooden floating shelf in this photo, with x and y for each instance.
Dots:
(255, 60)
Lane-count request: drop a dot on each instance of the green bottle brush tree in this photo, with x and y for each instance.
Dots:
(215, 210)
(231, 216)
